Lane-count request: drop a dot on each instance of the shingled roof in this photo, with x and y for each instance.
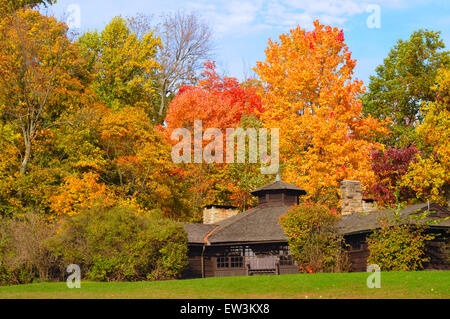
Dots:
(280, 186)
(197, 232)
(368, 222)
(259, 224)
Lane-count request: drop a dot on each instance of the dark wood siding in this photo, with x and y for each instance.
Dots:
(194, 268)
(213, 265)
(438, 250)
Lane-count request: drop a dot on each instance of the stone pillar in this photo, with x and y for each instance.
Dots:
(215, 213)
(351, 197)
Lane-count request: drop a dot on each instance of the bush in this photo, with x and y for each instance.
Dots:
(313, 238)
(24, 256)
(117, 244)
(398, 245)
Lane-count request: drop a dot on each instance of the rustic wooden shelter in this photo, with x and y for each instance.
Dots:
(248, 243)
(252, 242)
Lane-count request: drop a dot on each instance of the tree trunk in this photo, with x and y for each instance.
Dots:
(163, 98)
(26, 158)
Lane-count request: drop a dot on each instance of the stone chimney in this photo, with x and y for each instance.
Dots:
(215, 213)
(352, 200)
(369, 205)
(351, 197)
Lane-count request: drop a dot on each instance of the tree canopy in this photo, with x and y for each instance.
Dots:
(402, 86)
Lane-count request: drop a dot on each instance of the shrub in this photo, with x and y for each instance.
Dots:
(398, 245)
(24, 256)
(313, 238)
(116, 244)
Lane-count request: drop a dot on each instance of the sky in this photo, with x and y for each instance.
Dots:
(242, 28)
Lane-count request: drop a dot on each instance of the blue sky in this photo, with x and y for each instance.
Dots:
(242, 27)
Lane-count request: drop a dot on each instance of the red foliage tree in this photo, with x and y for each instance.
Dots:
(389, 167)
(219, 102)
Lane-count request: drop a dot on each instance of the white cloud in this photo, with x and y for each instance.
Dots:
(241, 17)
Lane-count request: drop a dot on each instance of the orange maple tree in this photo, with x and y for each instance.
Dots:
(77, 193)
(311, 96)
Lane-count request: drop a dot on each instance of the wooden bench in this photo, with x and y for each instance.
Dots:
(262, 265)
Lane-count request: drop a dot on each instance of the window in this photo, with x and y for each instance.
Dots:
(234, 251)
(233, 257)
(222, 262)
(286, 258)
(237, 262)
(248, 252)
(355, 245)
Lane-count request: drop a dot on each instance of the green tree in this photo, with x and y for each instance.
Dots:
(123, 66)
(398, 245)
(402, 84)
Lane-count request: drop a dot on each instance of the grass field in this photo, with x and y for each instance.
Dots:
(424, 284)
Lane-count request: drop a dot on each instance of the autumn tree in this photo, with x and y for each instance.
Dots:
(9, 6)
(311, 96)
(390, 166)
(219, 102)
(141, 167)
(429, 177)
(40, 74)
(10, 141)
(402, 86)
(79, 193)
(123, 66)
(186, 44)
(243, 178)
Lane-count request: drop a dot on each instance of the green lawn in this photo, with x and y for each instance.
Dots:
(426, 284)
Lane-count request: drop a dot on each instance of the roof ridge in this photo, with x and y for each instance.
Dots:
(279, 185)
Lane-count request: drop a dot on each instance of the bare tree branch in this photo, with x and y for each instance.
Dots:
(186, 45)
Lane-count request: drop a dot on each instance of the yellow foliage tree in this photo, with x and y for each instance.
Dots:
(429, 177)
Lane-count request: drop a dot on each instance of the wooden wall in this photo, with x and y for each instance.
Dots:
(211, 254)
(438, 250)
